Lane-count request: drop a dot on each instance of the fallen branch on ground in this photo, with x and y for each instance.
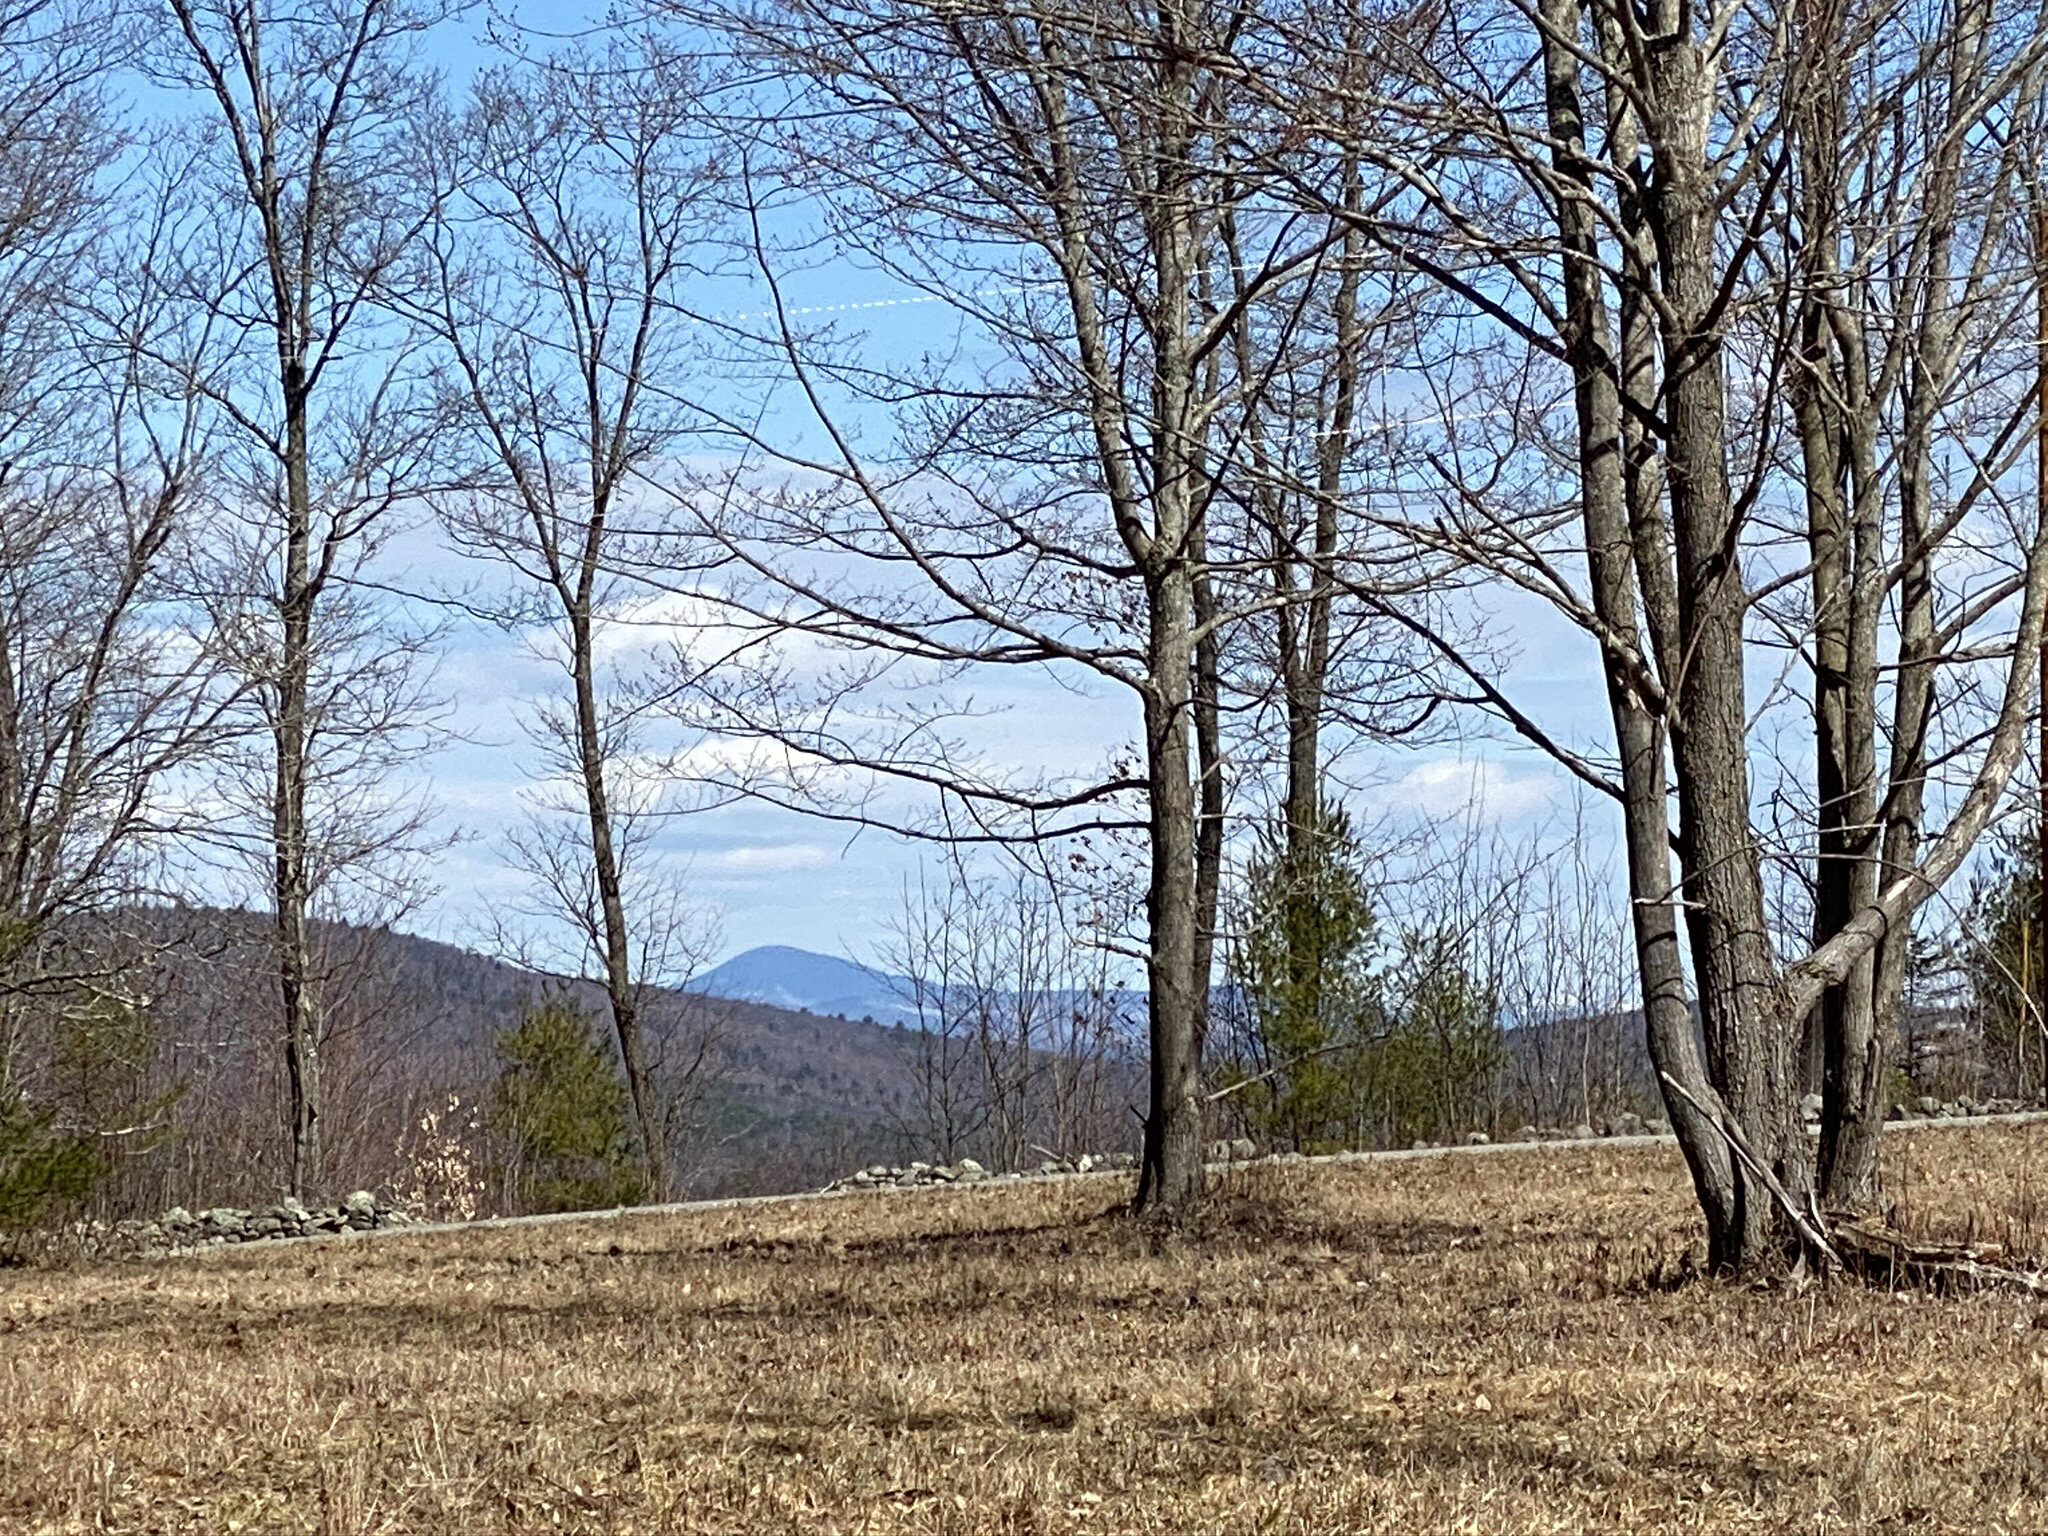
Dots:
(1811, 1229)
(1883, 1257)
(1875, 1255)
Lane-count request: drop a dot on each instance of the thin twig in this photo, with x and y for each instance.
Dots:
(1292, 1062)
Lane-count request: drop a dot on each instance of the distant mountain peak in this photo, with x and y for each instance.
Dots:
(786, 977)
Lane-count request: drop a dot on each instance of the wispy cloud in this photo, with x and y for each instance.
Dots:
(1453, 785)
(763, 859)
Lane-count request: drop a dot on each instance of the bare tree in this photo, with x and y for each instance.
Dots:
(109, 691)
(1061, 183)
(1019, 1023)
(1902, 167)
(1607, 218)
(949, 1101)
(578, 201)
(302, 133)
(1567, 981)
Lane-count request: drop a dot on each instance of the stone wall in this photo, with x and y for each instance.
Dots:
(179, 1230)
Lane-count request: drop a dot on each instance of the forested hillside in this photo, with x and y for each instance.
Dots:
(784, 1100)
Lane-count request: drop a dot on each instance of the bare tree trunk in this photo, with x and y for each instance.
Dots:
(1170, 1180)
(1740, 1009)
(621, 987)
(1623, 538)
(1876, 364)
(291, 893)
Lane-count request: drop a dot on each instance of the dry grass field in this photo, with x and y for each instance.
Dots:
(1471, 1343)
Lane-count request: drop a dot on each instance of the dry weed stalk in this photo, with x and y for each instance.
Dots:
(438, 1174)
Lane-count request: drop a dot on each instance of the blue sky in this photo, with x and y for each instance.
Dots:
(773, 877)
(767, 876)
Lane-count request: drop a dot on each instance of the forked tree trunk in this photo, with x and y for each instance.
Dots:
(1691, 582)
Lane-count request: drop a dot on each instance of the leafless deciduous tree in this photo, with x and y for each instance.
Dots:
(1022, 1031)
(1730, 250)
(110, 692)
(1080, 190)
(306, 194)
(577, 209)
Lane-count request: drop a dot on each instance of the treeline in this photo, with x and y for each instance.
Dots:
(1292, 377)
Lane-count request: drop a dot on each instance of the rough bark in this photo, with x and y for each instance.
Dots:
(1170, 1180)
(1617, 551)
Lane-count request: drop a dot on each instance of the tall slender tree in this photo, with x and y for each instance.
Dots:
(578, 210)
(1061, 181)
(302, 127)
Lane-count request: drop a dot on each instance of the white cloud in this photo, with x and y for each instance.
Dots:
(768, 859)
(1452, 786)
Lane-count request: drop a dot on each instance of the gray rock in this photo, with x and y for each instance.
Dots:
(1928, 1105)
(968, 1171)
(361, 1203)
(1244, 1149)
(1582, 1131)
(1810, 1106)
(1477, 1139)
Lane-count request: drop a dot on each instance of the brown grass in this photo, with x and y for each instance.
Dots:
(1500, 1343)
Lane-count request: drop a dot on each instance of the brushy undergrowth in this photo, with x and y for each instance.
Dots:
(1499, 1343)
